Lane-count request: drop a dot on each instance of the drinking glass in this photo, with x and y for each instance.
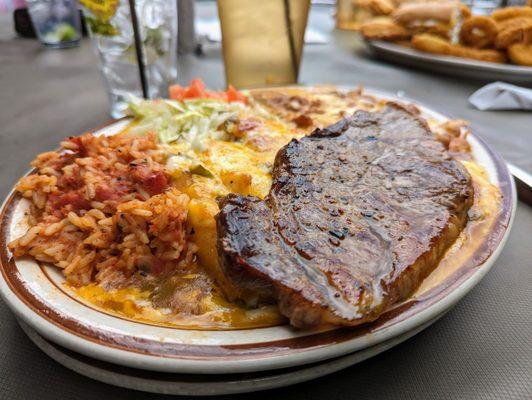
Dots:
(262, 40)
(124, 72)
(56, 22)
(484, 7)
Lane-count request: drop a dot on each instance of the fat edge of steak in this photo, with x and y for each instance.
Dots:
(359, 213)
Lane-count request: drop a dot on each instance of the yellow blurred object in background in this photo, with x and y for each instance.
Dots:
(346, 15)
(262, 40)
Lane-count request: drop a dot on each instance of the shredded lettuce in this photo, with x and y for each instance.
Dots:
(192, 121)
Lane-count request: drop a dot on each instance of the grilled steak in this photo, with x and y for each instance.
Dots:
(358, 214)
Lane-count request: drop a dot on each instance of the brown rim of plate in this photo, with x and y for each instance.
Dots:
(261, 350)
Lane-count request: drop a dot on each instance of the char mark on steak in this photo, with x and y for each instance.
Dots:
(358, 214)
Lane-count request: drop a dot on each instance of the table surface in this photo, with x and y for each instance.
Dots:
(482, 349)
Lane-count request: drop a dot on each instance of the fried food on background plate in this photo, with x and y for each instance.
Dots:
(479, 31)
(431, 44)
(448, 28)
(377, 7)
(384, 29)
(437, 45)
(437, 18)
(520, 30)
(504, 24)
(490, 55)
(358, 12)
(521, 54)
(404, 43)
(435, 11)
(511, 12)
(437, 28)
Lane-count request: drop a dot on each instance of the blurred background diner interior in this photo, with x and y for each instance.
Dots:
(61, 81)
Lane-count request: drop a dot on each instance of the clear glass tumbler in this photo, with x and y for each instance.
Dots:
(484, 7)
(112, 34)
(56, 22)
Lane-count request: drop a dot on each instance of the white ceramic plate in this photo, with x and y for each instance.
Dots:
(38, 297)
(455, 66)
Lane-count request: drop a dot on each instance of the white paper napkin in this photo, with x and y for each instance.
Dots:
(502, 96)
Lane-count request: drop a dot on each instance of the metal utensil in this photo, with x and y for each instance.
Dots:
(523, 183)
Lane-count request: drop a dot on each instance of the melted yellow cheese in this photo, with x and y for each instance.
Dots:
(242, 167)
(217, 313)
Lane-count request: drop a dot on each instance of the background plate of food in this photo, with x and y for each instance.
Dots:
(445, 37)
(210, 233)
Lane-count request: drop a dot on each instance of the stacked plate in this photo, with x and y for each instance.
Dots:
(201, 384)
(168, 360)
